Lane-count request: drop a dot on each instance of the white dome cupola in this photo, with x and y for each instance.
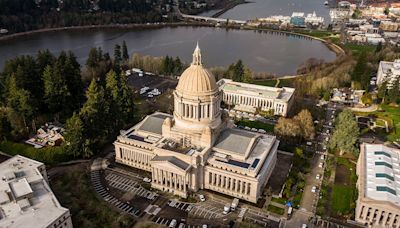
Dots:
(197, 98)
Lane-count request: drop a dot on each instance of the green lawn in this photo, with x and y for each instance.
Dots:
(276, 210)
(268, 82)
(343, 197)
(392, 116)
(279, 200)
(256, 124)
(47, 155)
(356, 49)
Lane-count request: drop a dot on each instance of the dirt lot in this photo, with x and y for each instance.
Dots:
(280, 172)
(342, 175)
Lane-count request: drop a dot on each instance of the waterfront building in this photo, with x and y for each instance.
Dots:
(252, 98)
(197, 146)
(26, 199)
(388, 72)
(378, 184)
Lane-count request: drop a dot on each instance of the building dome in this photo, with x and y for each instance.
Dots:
(196, 80)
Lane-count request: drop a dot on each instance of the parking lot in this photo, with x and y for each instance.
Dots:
(129, 185)
(104, 193)
(207, 211)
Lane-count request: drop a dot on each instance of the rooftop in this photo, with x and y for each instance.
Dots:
(235, 141)
(153, 123)
(172, 160)
(25, 196)
(382, 174)
(283, 94)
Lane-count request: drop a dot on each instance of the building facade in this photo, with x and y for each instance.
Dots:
(253, 98)
(388, 72)
(26, 199)
(197, 147)
(378, 171)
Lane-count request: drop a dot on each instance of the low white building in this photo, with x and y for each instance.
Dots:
(378, 171)
(389, 72)
(250, 97)
(26, 199)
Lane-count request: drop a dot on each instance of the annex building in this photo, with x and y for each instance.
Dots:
(197, 147)
(252, 98)
(26, 199)
(378, 171)
(388, 72)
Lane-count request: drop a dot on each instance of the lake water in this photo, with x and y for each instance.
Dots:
(262, 52)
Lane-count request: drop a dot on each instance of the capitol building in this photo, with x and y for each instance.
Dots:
(197, 147)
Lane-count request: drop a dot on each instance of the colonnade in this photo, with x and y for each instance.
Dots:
(264, 104)
(135, 158)
(229, 183)
(372, 215)
(168, 179)
(206, 110)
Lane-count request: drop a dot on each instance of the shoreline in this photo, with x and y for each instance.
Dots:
(333, 47)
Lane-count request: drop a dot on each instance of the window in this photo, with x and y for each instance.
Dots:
(382, 153)
(384, 164)
(384, 175)
(385, 189)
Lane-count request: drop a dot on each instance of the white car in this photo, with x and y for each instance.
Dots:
(147, 180)
(313, 189)
(304, 226)
(318, 177)
(321, 165)
(202, 198)
(322, 157)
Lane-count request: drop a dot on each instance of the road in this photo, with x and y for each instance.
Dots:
(310, 199)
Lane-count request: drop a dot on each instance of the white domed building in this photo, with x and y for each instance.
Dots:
(197, 147)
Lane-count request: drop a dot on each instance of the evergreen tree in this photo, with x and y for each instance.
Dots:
(117, 58)
(238, 71)
(93, 113)
(20, 103)
(56, 93)
(43, 59)
(74, 136)
(72, 73)
(5, 125)
(360, 74)
(394, 91)
(345, 134)
(125, 54)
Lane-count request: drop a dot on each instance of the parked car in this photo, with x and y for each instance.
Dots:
(202, 198)
(313, 189)
(321, 165)
(318, 177)
(147, 180)
(173, 223)
(322, 157)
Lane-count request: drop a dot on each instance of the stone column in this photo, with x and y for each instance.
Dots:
(378, 216)
(238, 185)
(391, 220)
(385, 217)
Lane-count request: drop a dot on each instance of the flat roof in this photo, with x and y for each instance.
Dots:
(20, 188)
(153, 123)
(382, 174)
(173, 160)
(247, 89)
(235, 141)
(37, 206)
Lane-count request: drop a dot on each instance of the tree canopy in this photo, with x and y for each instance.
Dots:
(345, 133)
